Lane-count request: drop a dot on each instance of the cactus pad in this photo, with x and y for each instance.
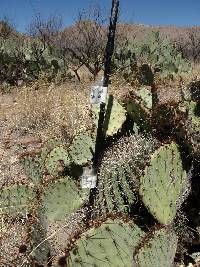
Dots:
(164, 183)
(57, 160)
(34, 162)
(33, 166)
(146, 97)
(81, 149)
(16, 199)
(49, 145)
(138, 106)
(60, 198)
(188, 130)
(114, 118)
(193, 127)
(109, 245)
(194, 115)
(157, 249)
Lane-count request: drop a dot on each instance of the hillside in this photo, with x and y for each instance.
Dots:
(140, 30)
(131, 30)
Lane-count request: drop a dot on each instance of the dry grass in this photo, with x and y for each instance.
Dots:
(56, 110)
(64, 109)
(51, 111)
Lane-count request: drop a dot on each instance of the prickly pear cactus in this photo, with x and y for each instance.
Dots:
(33, 166)
(157, 249)
(114, 118)
(57, 160)
(16, 199)
(164, 185)
(82, 149)
(60, 198)
(56, 202)
(190, 130)
(109, 244)
(195, 118)
(146, 96)
(138, 106)
(154, 108)
(34, 162)
(49, 145)
(120, 165)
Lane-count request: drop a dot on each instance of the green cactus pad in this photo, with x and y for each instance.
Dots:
(138, 107)
(120, 164)
(146, 97)
(81, 149)
(189, 129)
(114, 118)
(157, 249)
(16, 199)
(60, 198)
(34, 163)
(33, 166)
(49, 145)
(57, 160)
(193, 127)
(164, 183)
(194, 115)
(109, 245)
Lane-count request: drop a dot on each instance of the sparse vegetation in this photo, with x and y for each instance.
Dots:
(138, 203)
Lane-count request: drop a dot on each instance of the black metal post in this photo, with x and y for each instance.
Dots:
(100, 139)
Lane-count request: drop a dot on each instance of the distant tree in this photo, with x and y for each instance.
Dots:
(6, 27)
(45, 29)
(181, 45)
(84, 43)
(194, 43)
(189, 45)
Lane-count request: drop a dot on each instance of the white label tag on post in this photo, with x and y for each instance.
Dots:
(98, 94)
(94, 94)
(89, 178)
(102, 94)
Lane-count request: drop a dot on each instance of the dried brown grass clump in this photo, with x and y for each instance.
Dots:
(52, 111)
